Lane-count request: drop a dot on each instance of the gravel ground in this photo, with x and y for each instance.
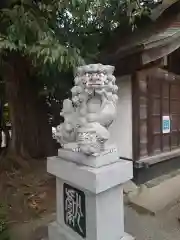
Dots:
(164, 226)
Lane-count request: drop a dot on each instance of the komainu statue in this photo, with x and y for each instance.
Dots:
(91, 111)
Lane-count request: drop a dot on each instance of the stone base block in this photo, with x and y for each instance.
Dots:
(56, 232)
(95, 180)
(107, 157)
(94, 199)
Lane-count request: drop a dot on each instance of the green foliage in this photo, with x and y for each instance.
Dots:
(6, 117)
(3, 226)
(64, 33)
(58, 35)
(26, 29)
(4, 109)
(50, 38)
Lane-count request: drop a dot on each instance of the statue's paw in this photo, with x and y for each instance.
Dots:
(93, 149)
(85, 149)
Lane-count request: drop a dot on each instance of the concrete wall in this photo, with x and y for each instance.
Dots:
(121, 129)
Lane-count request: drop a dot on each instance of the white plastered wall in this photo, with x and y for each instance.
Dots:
(121, 129)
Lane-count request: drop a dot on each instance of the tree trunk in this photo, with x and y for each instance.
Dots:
(31, 133)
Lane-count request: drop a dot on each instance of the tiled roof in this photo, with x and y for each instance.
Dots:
(159, 33)
(153, 36)
(173, 30)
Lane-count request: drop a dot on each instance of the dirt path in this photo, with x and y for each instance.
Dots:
(33, 230)
(27, 194)
(30, 201)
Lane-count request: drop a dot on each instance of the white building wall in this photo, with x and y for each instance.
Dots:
(121, 129)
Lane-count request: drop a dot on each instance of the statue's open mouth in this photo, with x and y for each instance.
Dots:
(94, 84)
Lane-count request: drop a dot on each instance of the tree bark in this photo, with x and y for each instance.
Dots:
(31, 133)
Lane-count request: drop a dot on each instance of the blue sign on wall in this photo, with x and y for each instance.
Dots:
(166, 124)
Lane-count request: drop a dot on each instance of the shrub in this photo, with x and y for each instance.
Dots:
(3, 224)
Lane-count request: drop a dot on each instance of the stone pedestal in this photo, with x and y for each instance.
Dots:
(89, 200)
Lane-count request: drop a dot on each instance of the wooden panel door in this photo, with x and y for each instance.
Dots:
(158, 96)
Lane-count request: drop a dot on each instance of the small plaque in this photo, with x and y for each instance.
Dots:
(166, 124)
(74, 209)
